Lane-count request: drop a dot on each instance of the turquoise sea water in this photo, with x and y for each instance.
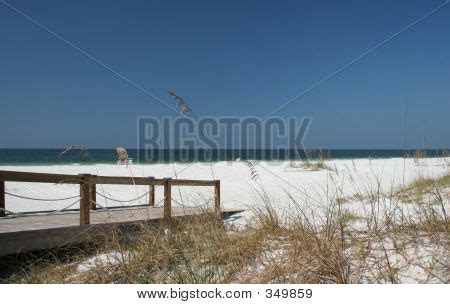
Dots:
(108, 156)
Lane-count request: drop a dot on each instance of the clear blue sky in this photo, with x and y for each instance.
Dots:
(226, 58)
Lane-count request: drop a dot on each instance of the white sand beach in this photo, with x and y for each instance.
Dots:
(281, 182)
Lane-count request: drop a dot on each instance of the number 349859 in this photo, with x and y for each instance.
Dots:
(289, 293)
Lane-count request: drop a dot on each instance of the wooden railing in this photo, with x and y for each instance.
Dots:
(88, 192)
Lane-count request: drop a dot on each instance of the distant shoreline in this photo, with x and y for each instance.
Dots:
(38, 157)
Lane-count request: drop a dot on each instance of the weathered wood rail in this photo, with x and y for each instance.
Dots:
(88, 192)
(41, 230)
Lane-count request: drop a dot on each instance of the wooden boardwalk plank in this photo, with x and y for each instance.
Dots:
(33, 231)
(45, 231)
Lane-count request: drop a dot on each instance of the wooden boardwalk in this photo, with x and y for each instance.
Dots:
(45, 231)
(33, 231)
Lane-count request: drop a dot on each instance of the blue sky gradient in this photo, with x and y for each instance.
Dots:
(226, 58)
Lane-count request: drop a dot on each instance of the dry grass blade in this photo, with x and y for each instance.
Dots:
(122, 155)
(445, 152)
(186, 110)
(254, 175)
(181, 104)
(82, 150)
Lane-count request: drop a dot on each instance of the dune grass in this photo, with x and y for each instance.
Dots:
(390, 241)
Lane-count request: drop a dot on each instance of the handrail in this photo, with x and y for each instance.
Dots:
(17, 176)
(88, 184)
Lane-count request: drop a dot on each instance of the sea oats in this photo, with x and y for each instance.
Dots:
(122, 155)
(182, 105)
(82, 150)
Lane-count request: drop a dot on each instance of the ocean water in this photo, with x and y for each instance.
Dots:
(109, 156)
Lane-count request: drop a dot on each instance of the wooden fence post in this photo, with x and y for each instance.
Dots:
(151, 192)
(93, 196)
(85, 198)
(2, 198)
(217, 199)
(167, 198)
